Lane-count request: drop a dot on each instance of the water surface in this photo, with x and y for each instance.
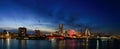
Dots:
(59, 44)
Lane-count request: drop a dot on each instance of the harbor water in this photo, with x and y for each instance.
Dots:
(59, 44)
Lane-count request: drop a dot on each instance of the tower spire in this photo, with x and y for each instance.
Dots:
(87, 32)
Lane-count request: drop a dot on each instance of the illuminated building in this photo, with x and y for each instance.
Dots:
(66, 33)
(60, 28)
(38, 33)
(7, 35)
(22, 31)
(87, 32)
(56, 33)
(78, 33)
(71, 32)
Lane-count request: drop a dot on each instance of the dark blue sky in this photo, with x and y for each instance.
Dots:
(98, 15)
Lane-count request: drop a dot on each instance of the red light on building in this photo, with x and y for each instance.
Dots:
(71, 32)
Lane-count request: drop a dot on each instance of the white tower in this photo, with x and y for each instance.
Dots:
(87, 32)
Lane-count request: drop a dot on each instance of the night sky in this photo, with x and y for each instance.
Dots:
(97, 15)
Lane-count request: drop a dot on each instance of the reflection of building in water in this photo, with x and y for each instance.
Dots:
(105, 44)
(84, 44)
(53, 43)
(22, 44)
(87, 43)
(2, 44)
(71, 44)
(97, 44)
(61, 44)
(8, 43)
(58, 44)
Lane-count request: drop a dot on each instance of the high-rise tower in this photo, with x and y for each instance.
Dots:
(87, 32)
(22, 31)
(60, 28)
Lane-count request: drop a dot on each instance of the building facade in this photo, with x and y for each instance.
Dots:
(22, 31)
(60, 28)
(38, 33)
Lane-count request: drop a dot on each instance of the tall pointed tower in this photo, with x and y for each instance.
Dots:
(87, 32)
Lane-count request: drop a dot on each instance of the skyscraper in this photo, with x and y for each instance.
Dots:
(60, 28)
(87, 32)
(22, 31)
(38, 33)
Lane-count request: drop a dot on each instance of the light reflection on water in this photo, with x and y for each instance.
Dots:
(97, 44)
(58, 44)
(8, 43)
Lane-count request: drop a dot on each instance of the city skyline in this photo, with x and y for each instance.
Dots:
(46, 15)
